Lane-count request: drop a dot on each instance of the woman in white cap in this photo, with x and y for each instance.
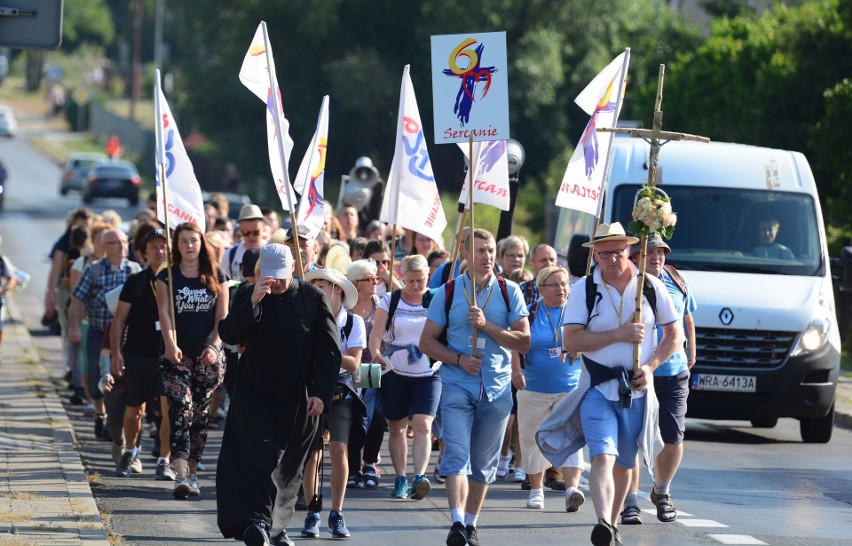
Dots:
(193, 364)
(285, 380)
(346, 406)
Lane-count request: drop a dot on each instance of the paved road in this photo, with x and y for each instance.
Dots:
(737, 485)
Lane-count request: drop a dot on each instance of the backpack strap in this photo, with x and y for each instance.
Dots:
(533, 310)
(347, 328)
(231, 253)
(676, 277)
(448, 299)
(593, 296)
(445, 273)
(394, 302)
(650, 294)
(505, 291)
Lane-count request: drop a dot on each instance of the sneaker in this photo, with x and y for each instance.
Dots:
(100, 426)
(337, 525)
(123, 468)
(194, 489)
(665, 507)
(472, 536)
(536, 501)
(117, 451)
(437, 475)
(574, 500)
(400, 488)
(165, 472)
(256, 535)
(603, 534)
(420, 487)
(354, 480)
(181, 490)
(503, 467)
(281, 539)
(77, 400)
(519, 476)
(136, 466)
(311, 528)
(201, 466)
(371, 478)
(556, 484)
(457, 535)
(631, 515)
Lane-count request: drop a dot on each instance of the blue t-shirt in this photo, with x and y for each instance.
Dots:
(495, 377)
(544, 370)
(435, 280)
(684, 305)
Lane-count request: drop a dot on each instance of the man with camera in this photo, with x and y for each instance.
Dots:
(615, 411)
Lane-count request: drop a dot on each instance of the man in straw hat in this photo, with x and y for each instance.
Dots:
(671, 385)
(346, 406)
(285, 379)
(614, 410)
(476, 376)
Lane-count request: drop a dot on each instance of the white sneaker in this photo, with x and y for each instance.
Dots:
(194, 489)
(136, 465)
(503, 467)
(573, 500)
(536, 501)
(181, 490)
(519, 475)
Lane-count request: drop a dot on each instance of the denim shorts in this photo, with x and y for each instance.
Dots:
(610, 429)
(473, 433)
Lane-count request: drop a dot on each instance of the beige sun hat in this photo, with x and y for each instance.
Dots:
(350, 293)
(610, 232)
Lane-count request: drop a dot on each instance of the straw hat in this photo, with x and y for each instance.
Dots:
(338, 258)
(350, 293)
(610, 232)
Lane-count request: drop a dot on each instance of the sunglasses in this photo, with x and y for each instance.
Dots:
(252, 233)
(369, 279)
(383, 262)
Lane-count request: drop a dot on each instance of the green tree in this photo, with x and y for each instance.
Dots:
(831, 143)
(87, 21)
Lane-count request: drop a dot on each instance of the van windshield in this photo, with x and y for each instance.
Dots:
(724, 229)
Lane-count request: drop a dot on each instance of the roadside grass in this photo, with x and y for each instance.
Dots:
(846, 362)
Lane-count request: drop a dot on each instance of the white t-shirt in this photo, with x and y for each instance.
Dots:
(233, 268)
(357, 336)
(605, 317)
(407, 324)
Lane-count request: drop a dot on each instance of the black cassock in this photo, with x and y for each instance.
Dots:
(291, 351)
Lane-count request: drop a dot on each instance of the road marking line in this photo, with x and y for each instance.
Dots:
(680, 513)
(736, 539)
(701, 523)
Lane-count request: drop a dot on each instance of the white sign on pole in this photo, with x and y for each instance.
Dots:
(470, 87)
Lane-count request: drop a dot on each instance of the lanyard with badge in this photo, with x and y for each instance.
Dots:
(480, 341)
(556, 350)
(154, 291)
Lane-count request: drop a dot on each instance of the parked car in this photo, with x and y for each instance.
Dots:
(77, 169)
(8, 123)
(112, 178)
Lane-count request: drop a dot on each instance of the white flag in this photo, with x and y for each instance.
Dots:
(411, 197)
(581, 186)
(311, 174)
(183, 192)
(491, 174)
(255, 74)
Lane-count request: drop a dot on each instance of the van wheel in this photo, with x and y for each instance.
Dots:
(765, 422)
(817, 430)
(87, 198)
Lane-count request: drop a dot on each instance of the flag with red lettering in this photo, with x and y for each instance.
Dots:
(182, 195)
(584, 177)
(255, 74)
(491, 174)
(411, 198)
(311, 174)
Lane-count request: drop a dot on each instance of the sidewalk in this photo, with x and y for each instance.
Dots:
(44, 495)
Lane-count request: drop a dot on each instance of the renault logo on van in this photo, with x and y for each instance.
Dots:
(726, 316)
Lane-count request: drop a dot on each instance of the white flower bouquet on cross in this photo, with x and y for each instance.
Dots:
(652, 213)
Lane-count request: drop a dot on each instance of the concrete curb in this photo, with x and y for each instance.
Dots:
(49, 497)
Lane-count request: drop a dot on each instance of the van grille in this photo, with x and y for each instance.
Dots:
(762, 349)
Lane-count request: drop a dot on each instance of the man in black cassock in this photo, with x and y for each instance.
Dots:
(285, 380)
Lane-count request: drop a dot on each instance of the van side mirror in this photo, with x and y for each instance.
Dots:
(578, 255)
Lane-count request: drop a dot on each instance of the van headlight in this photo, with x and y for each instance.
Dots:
(815, 335)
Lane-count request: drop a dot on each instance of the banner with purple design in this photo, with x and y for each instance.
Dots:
(470, 87)
(311, 175)
(184, 194)
(411, 198)
(582, 184)
(491, 174)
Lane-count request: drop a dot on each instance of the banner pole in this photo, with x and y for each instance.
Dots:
(392, 254)
(470, 238)
(161, 169)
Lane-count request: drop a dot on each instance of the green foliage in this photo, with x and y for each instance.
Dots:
(86, 21)
(832, 142)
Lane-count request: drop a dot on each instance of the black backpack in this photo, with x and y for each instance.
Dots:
(593, 296)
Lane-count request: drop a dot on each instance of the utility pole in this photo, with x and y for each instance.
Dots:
(136, 66)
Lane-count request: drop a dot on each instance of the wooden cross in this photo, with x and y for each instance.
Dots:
(656, 137)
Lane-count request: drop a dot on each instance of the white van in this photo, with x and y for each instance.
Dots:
(767, 339)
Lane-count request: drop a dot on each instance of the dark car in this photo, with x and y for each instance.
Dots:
(113, 178)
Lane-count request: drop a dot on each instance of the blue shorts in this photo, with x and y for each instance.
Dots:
(610, 429)
(672, 393)
(473, 433)
(403, 397)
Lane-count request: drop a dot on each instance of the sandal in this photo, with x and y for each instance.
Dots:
(665, 507)
(371, 479)
(631, 515)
